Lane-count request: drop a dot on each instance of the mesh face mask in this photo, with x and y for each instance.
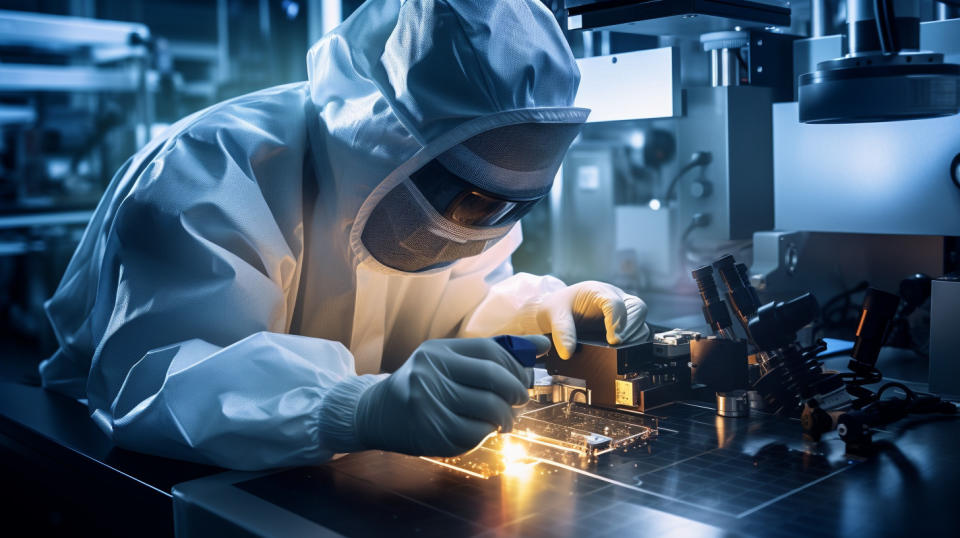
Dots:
(467, 198)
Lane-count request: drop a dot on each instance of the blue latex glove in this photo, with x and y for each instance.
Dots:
(447, 397)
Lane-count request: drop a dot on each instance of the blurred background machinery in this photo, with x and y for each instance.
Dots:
(85, 83)
(750, 128)
(75, 102)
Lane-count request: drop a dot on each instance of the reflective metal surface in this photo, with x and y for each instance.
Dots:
(733, 125)
(688, 18)
(733, 404)
(724, 68)
(36, 29)
(889, 178)
(705, 475)
(631, 86)
(944, 320)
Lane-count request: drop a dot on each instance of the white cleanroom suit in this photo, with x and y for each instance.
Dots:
(224, 305)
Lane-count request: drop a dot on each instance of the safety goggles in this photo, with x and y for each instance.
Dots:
(467, 198)
(463, 202)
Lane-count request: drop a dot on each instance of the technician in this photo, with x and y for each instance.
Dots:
(250, 273)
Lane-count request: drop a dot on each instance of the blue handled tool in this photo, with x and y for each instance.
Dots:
(523, 350)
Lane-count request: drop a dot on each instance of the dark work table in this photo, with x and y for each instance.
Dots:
(63, 476)
(703, 476)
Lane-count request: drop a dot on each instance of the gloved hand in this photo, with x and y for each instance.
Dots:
(447, 397)
(591, 305)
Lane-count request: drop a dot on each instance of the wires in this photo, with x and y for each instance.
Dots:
(917, 402)
(573, 396)
(835, 313)
(895, 385)
(700, 158)
(744, 68)
(698, 220)
(886, 26)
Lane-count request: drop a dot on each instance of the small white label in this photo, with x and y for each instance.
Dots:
(574, 22)
(588, 178)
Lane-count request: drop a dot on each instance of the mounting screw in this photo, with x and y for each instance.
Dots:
(701, 189)
(791, 258)
(955, 170)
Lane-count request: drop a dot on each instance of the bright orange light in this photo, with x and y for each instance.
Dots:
(519, 468)
(516, 463)
(512, 451)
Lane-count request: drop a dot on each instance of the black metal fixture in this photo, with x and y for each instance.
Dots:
(885, 76)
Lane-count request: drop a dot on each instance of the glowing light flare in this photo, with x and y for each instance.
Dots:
(512, 451)
(655, 204)
(516, 462)
(519, 468)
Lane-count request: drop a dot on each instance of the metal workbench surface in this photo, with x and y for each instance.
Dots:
(704, 475)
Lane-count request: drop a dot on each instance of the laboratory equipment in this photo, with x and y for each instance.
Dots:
(888, 186)
(733, 404)
(714, 309)
(76, 99)
(563, 433)
(674, 365)
(584, 428)
(886, 76)
(944, 318)
(675, 17)
(716, 189)
(870, 178)
(879, 308)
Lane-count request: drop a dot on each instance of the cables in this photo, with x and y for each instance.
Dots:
(835, 313)
(855, 385)
(856, 427)
(698, 220)
(895, 385)
(700, 158)
(886, 26)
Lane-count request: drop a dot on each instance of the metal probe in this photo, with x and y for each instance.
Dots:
(523, 350)
(740, 298)
(714, 309)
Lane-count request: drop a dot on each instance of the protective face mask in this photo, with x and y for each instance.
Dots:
(467, 198)
(405, 232)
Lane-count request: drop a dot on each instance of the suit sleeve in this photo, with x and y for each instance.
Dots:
(195, 296)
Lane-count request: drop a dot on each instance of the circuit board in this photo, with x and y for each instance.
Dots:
(564, 434)
(498, 454)
(583, 428)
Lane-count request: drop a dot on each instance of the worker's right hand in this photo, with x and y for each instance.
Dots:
(447, 397)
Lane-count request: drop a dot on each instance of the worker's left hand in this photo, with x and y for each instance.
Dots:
(591, 305)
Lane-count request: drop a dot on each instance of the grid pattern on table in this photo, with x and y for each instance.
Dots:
(688, 465)
(695, 471)
(730, 482)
